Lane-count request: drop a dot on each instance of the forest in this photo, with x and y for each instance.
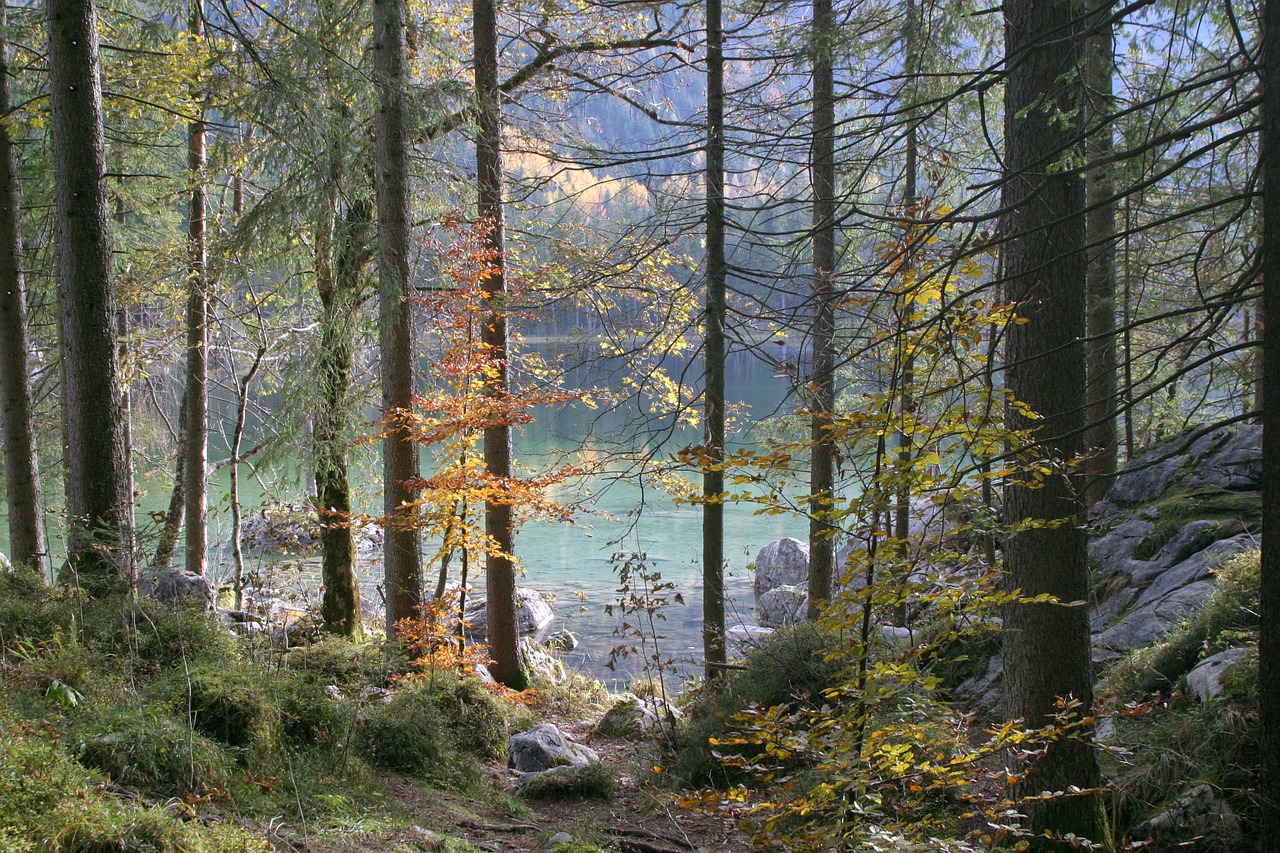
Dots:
(331, 330)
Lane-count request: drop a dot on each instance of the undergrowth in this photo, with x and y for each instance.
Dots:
(129, 725)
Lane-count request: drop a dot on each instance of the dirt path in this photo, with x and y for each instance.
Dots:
(637, 820)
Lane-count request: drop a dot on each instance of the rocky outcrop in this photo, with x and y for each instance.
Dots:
(1199, 821)
(286, 528)
(1204, 681)
(534, 616)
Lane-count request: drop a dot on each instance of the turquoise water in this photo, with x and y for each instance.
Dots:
(572, 562)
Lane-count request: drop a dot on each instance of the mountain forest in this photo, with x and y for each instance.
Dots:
(345, 347)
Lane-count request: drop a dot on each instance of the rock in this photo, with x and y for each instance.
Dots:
(782, 606)
(377, 695)
(241, 621)
(1114, 551)
(557, 839)
(5, 564)
(744, 638)
(782, 563)
(540, 663)
(1144, 625)
(179, 588)
(544, 747)
(1204, 681)
(633, 717)
(981, 694)
(576, 781)
(1199, 566)
(561, 642)
(1146, 478)
(1199, 821)
(1235, 466)
(534, 616)
(896, 635)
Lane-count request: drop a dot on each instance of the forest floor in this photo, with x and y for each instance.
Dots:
(639, 819)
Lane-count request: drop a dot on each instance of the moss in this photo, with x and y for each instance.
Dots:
(230, 704)
(583, 781)
(140, 748)
(1232, 608)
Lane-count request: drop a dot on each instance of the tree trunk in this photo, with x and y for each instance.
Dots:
(342, 256)
(1101, 362)
(99, 480)
(1269, 641)
(167, 544)
(1047, 646)
(402, 562)
(500, 581)
(196, 444)
(21, 465)
(822, 388)
(713, 629)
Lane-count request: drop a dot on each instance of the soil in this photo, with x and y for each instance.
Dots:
(638, 820)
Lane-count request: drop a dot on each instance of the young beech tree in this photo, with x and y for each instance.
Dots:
(1046, 644)
(99, 478)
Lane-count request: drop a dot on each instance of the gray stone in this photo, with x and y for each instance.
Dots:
(1199, 821)
(784, 562)
(1204, 681)
(782, 606)
(5, 564)
(1194, 537)
(633, 717)
(561, 642)
(1148, 623)
(744, 638)
(544, 747)
(581, 780)
(241, 621)
(1146, 478)
(534, 616)
(1195, 568)
(1114, 550)
(1235, 466)
(557, 839)
(981, 694)
(179, 588)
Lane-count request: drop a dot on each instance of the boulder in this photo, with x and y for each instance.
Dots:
(1199, 821)
(744, 638)
(782, 606)
(179, 588)
(544, 747)
(633, 717)
(1145, 624)
(782, 563)
(534, 616)
(1204, 681)
(5, 564)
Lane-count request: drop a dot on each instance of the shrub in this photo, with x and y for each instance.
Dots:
(406, 735)
(787, 668)
(233, 705)
(338, 661)
(310, 717)
(141, 749)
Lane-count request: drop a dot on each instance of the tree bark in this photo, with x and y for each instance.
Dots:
(1101, 361)
(822, 390)
(196, 444)
(500, 581)
(713, 628)
(167, 543)
(21, 463)
(1047, 646)
(1269, 641)
(99, 480)
(402, 562)
(347, 251)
